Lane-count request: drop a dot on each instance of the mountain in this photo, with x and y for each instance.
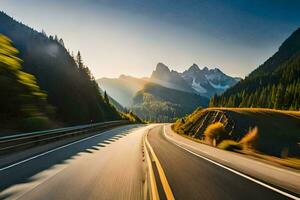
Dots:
(69, 85)
(205, 82)
(122, 89)
(170, 79)
(193, 84)
(208, 82)
(157, 103)
(274, 84)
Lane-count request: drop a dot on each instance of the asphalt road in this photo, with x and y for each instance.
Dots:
(109, 165)
(191, 177)
(105, 166)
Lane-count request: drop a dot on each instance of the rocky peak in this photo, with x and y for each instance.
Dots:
(194, 68)
(160, 67)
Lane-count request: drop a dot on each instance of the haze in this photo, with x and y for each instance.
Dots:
(130, 37)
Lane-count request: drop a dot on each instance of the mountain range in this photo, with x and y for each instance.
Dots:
(204, 82)
(140, 94)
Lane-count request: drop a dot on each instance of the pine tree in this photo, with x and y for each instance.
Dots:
(61, 42)
(79, 61)
(106, 99)
(44, 33)
(21, 97)
(279, 97)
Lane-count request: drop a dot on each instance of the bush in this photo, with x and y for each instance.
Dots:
(35, 123)
(230, 145)
(250, 138)
(215, 132)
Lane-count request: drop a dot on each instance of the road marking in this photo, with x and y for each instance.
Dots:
(229, 169)
(153, 186)
(52, 150)
(161, 173)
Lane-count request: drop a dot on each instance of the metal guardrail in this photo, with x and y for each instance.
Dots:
(19, 141)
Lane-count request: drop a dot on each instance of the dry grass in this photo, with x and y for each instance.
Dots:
(250, 138)
(215, 132)
(230, 145)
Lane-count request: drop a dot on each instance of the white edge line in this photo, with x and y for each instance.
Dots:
(229, 169)
(52, 150)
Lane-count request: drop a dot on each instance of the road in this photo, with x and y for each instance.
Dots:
(191, 177)
(104, 166)
(111, 165)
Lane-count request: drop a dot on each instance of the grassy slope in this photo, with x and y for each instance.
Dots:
(277, 130)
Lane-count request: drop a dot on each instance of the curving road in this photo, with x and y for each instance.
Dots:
(192, 177)
(110, 165)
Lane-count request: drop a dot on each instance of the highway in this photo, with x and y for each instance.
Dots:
(111, 165)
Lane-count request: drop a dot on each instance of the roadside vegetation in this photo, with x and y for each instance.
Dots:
(262, 133)
(130, 116)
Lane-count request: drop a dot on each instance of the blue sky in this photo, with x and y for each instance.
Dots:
(132, 36)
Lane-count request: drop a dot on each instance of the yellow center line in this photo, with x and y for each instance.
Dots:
(162, 176)
(153, 187)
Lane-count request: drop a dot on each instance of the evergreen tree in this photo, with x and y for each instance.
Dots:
(61, 42)
(21, 97)
(106, 99)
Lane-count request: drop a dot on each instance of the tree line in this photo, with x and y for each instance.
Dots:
(279, 89)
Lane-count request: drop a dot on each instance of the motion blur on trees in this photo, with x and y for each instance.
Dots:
(23, 103)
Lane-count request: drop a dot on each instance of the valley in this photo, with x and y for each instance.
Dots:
(157, 98)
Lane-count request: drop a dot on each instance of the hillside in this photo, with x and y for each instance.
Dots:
(122, 89)
(157, 103)
(274, 84)
(278, 131)
(112, 101)
(68, 83)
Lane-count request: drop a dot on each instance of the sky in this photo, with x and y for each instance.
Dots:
(131, 36)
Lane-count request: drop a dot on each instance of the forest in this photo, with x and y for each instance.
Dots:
(275, 84)
(44, 85)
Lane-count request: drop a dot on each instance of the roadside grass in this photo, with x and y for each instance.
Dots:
(230, 145)
(215, 133)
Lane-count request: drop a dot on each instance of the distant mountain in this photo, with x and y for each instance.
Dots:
(122, 89)
(274, 84)
(170, 79)
(192, 84)
(205, 82)
(157, 103)
(208, 82)
(70, 87)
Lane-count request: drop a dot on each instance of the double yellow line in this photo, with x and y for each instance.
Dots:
(152, 158)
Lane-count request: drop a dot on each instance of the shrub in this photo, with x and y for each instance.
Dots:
(35, 123)
(230, 145)
(215, 132)
(250, 138)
